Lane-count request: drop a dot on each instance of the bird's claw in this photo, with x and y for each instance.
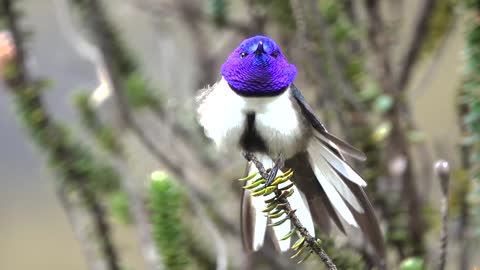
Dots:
(273, 173)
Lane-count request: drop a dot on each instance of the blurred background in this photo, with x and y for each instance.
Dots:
(98, 99)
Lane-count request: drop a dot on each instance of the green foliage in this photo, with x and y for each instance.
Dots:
(101, 132)
(413, 263)
(344, 258)
(138, 93)
(280, 11)
(383, 103)
(119, 204)
(469, 108)
(167, 204)
(442, 17)
(218, 11)
(66, 154)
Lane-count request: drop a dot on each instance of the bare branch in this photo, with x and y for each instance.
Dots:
(379, 44)
(419, 35)
(421, 86)
(78, 220)
(442, 169)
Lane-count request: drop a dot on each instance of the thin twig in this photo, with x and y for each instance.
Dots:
(419, 36)
(420, 88)
(311, 241)
(442, 169)
(77, 217)
(379, 44)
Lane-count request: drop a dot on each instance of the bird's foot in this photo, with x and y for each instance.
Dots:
(279, 163)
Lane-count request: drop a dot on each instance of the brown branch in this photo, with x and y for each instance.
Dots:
(311, 241)
(379, 44)
(420, 88)
(77, 216)
(419, 35)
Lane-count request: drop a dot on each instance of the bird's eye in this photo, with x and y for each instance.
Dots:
(243, 55)
(274, 54)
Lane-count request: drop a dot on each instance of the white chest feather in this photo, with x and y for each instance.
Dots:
(222, 113)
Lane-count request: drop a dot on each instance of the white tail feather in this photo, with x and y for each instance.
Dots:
(299, 202)
(316, 150)
(341, 166)
(328, 180)
(260, 220)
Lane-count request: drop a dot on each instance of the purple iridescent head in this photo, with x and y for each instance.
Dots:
(258, 68)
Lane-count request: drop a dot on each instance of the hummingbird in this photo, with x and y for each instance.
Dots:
(256, 107)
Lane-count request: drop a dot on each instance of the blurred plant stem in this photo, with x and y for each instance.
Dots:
(81, 173)
(136, 203)
(468, 108)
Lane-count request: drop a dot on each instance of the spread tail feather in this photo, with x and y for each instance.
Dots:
(343, 187)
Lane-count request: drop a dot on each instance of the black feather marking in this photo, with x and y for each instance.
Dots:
(307, 110)
(250, 140)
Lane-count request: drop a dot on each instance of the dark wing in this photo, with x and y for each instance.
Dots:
(340, 185)
(323, 134)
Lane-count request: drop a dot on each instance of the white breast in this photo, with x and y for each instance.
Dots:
(222, 114)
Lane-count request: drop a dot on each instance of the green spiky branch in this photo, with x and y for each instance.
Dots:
(103, 134)
(165, 203)
(79, 170)
(279, 206)
(168, 204)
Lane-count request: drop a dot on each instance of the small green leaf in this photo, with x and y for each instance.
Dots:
(383, 103)
(270, 207)
(305, 258)
(300, 251)
(248, 177)
(299, 243)
(280, 222)
(413, 263)
(369, 93)
(382, 131)
(269, 190)
(276, 215)
(258, 193)
(255, 183)
(288, 235)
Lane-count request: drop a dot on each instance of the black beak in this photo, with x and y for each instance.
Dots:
(259, 50)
